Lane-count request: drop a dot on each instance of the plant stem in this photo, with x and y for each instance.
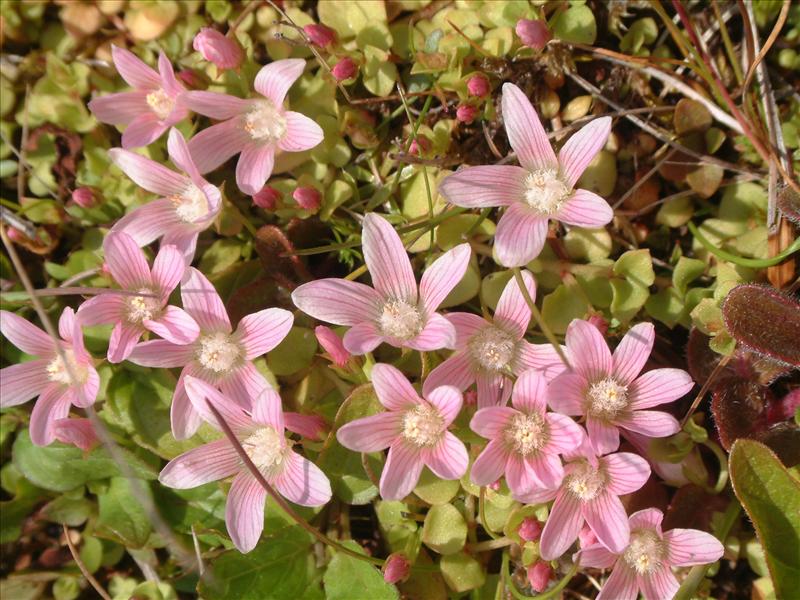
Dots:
(76, 557)
(754, 263)
(482, 513)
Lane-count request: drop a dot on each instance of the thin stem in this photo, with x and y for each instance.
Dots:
(703, 390)
(755, 263)
(89, 577)
(487, 545)
(482, 513)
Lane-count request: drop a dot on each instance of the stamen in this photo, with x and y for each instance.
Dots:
(160, 103)
(216, 352)
(423, 426)
(191, 204)
(545, 192)
(606, 398)
(264, 122)
(492, 348)
(645, 552)
(57, 370)
(526, 433)
(585, 481)
(266, 448)
(143, 308)
(400, 320)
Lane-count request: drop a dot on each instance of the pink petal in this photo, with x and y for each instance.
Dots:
(302, 482)
(484, 187)
(179, 154)
(147, 173)
(448, 459)
(332, 344)
(267, 409)
(274, 80)
(53, 404)
(687, 547)
(202, 302)
(652, 423)
(442, 276)
(143, 131)
(447, 400)
(520, 235)
(490, 464)
(362, 338)
(215, 105)
(562, 526)
(301, 133)
(161, 354)
(530, 393)
(174, 325)
(254, 167)
(466, 325)
(119, 109)
(596, 556)
(588, 351)
(392, 388)
(542, 357)
(147, 222)
(260, 332)
(21, 382)
(401, 471)
(494, 389)
(76, 432)
(621, 585)
(25, 336)
(607, 518)
(244, 511)
(438, 333)
(649, 518)
(659, 584)
(455, 371)
(69, 328)
(244, 385)
(215, 145)
(539, 496)
(633, 351)
(201, 393)
(209, 462)
(371, 434)
(546, 470)
(513, 313)
(168, 269)
(126, 261)
(564, 433)
(184, 419)
(387, 260)
(581, 148)
(585, 209)
(659, 386)
(167, 76)
(603, 436)
(135, 72)
(520, 476)
(103, 308)
(338, 301)
(123, 338)
(566, 394)
(525, 132)
(87, 393)
(626, 472)
(312, 427)
(490, 422)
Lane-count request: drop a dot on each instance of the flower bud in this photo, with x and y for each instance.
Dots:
(77, 432)
(267, 198)
(466, 113)
(539, 575)
(320, 35)
(224, 52)
(191, 79)
(307, 197)
(332, 344)
(396, 568)
(586, 537)
(478, 85)
(345, 69)
(530, 530)
(600, 323)
(419, 146)
(533, 33)
(308, 426)
(15, 235)
(83, 197)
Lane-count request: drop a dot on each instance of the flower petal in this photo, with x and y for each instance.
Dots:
(652, 423)
(215, 105)
(519, 476)
(87, 393)
(585, 209)
(301, 134)
(620, 585)
(485, 186)
(53, 404)
(244, 511)
(254, 167)
(566, 392)
(201, 394)
(520, 235)
(455, 371)
(148, 221)
(542, 357)
(603, 436)
(179, 154)
(174, 325)
(562, 526)
(661, 583)
(392, 388)
(494, 389)
(21, 382)
(244, 385)
(133, 70)
(184, 419)
(659, 386)
(633, 351)
(466, 325)
(260, 332)
(338, 301)
(126, 261)
(387, 260)
(103, 308)
(490, 464)
(119, 109)
(202, 302)
(168, 269)
(147, 173)
(161, 354)
(209, 462)
(525, 132)
(626, 472)
(588, 351)
(595, 556)
(25, 336)
(401, 471)
(686, 547)
(447, 400)
(581, 148)
(215, 145)
(490, 422)
(607, 518)
(76, 432)
(169, 82)
(438, 333)
(530, 393)
(274, 80)
(649, 518)
(512, 312)
(442, 276)
(448, 459)
(312, 427)
(564, 433)
(546, 470)
(362, 338)
(371, 434)
(123, 338)
(142, 131)
(302, 482)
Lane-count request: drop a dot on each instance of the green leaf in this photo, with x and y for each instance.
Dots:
(121, 516)
(636, 266)
(348, 578)
(294, 353)
(444, 530)
(562, 306)
(771, 497)
(576, 24)
(435, 490)
(686, 271)
(462, 572)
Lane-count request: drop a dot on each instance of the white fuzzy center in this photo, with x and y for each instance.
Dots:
(190, 204)
(545, 192)
(400, 320)
(216, 352)
(264, 123)
(606, 398)
(266, 448)
(160, 103)
(526, 433)
(59, 372)
(492, 348)
(143, 308)
(423, 426)
(645, 552)
(585, 481)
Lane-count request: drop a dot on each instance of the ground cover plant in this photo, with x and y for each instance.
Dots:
(378, 299)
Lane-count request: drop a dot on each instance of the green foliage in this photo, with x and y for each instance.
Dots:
(348, 578)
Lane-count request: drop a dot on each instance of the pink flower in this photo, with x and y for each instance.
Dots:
(645, 562)
(539, 190)
(49, 376)
(332, 344)
(396, 568)
(83, 197)
(224, 52)
(478, 85)
(530, 530)
(344, 69)
(414, 429)
(189, 204)
(307, 197)
(525, 441)
(607, 389)
(395, 311)
(590, 492)
(260, 431)
(220, 356)
(256, 127)
(533, 33)
(466, 113)
(539, 575)
(154, 105)
(490, 352)
(267, 198)
(76, 432)
(320, 35)
(133, 315)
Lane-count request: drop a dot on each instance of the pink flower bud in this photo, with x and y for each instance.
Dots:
(586, 537)
(533, 33)
(77, 432)
(191, 79)
(470, 397)
(419, 146)
(267, 198)
(396, 568)
(478, 85)
(307, 426)
(15, 235)
(332, 344)
(320, 35)
(530, 530)
(466, 113)
(307, 197)
(345, 69)
(224, 52)
(599, 322)
(539, 575)
(83, 197)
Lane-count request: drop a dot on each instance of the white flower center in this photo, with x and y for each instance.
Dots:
(585, 481)
(492, 348)
(645, 552)
(264, 122)
(191, 204)
(266, 448)
(143, 308)
(160, 103)
(400, 320)
(606, 398)
(59, 372)
(526, 433)
(216, 352)
(423, 426)
(545, 192)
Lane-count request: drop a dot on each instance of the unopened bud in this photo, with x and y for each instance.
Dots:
(539, 575)
(267, 198)
(83, 197)
(332, 344)
(396, 568)
(533, 33)
(466, 113)
(307, 197)
(478, 85)
(344, 69)
(224, 52)
(530, 530)
(320, 35)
